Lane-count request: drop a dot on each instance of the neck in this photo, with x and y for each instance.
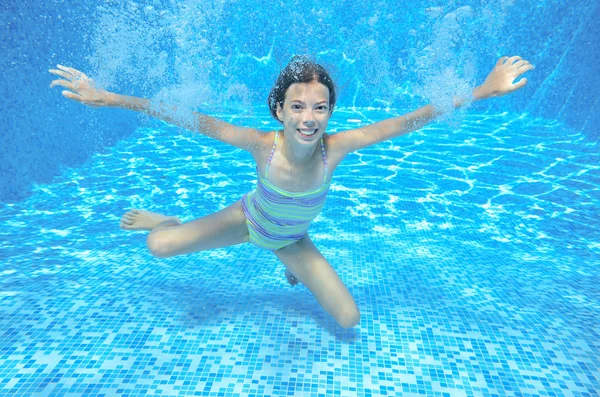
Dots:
(299, 154)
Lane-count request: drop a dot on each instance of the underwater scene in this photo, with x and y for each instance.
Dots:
(470, 245)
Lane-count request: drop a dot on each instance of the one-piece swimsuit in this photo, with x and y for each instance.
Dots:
(276, 217)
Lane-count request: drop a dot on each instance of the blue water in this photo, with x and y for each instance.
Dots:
(472, 246)
(472, 253)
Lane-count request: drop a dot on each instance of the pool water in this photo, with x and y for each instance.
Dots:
(472, 250)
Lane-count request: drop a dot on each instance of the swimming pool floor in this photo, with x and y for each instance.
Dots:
(473, 257)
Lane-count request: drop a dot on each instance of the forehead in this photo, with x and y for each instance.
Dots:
(314, 91)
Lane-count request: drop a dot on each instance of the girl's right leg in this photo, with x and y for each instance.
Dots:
(168, 237)
(306, 264)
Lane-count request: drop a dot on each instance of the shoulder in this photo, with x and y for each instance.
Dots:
(263, 143)
(348, 141)
(336, 143)
(335, 148)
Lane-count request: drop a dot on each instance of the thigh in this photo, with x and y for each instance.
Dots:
(309, 266)
(221, 229)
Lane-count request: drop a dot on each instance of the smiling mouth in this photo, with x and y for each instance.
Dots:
(307, 132)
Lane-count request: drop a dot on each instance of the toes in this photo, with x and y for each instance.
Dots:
(130, 215)
(127, 216)
(132, 212)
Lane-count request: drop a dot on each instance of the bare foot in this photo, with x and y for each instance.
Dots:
(291, 278)
(143, 220)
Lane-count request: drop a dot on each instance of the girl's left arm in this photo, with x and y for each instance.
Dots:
(499, 82)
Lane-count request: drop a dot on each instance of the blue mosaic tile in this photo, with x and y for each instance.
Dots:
(462, 291)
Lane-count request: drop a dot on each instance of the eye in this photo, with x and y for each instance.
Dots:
(322, 108)
(296, 106)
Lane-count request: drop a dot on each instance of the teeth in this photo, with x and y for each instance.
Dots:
(307, 132)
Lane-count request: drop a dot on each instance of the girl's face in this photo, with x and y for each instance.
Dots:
(305, 112)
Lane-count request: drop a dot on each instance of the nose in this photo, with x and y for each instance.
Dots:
(309, 119)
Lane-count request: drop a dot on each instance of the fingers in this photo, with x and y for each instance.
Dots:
(72, 79)
(501, 61)
(513, 59)
(60, 73)
(73, 96)
(67, 84)
(525, 68)
(67, 69)
(69, 73)
(520, 84)
(522, 66)
(507, 60)
(520, 63)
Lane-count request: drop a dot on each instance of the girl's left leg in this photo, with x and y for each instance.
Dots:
(169, 237)
(309, 266)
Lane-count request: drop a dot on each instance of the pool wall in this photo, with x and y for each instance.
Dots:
(374, 51)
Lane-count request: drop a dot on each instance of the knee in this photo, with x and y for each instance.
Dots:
(157, 245)
(348, 318)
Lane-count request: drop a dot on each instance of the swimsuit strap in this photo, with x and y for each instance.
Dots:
(273, 152)
(324, 159)
(271, 155)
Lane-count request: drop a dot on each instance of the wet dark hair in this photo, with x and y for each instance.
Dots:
(299, 70)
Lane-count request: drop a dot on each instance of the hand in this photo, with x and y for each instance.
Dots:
(82, 87)
(501, 79)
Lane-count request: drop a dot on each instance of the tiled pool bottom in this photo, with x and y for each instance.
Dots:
(230, 326)
(459, 297)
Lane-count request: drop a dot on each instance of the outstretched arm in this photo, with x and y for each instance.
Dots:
(499, 82)
(81, 88)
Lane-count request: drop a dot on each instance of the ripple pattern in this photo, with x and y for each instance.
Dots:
(473, 253)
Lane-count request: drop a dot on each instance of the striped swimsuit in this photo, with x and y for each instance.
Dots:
(277, 218)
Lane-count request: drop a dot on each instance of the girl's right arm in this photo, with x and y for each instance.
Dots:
(82, 90)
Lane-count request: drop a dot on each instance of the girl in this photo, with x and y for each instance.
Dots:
(294, 170)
